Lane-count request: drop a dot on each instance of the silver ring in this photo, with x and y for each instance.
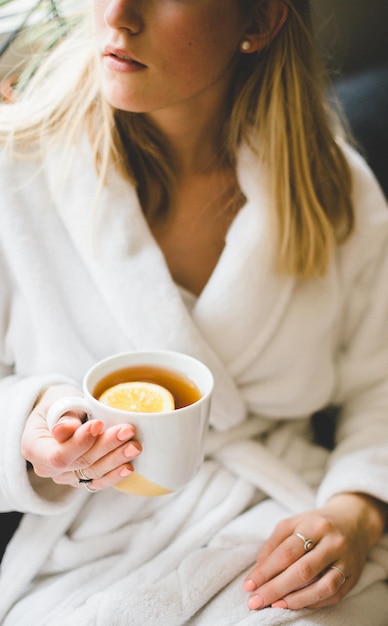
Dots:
(81, 477)
(308, 544)
(340, 571)
(87, 486)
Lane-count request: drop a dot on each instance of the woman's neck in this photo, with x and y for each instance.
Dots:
(196, 142)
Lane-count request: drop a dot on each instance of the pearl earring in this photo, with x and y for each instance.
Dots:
(245, 45)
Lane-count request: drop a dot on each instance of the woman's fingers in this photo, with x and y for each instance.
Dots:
(66, 427)
(104, 481)
(107, 470)
(75, 444)
(281, 532)
(284, 547)
(291, 576)
(302, 583)
(89, 446)
(108, 441)
(330, 587)
(313, 559)
(113, 461)
(50, 457)
(277, 561)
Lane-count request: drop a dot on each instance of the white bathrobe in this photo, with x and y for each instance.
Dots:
(80, 281)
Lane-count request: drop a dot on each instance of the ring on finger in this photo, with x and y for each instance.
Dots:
(88, 487)
(81, 477)
(308, 544)
(341, 571)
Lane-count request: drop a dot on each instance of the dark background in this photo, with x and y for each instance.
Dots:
(353, 38)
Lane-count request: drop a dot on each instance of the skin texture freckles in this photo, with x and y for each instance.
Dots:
(187, 49)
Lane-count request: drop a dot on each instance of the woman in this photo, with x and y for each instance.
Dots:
(182, 185)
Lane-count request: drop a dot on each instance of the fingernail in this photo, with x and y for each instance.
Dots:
(280, 604)
(249, 585)
(125, 432)
(131, 450)
(95, 427)
(255, 602)
(125, 471)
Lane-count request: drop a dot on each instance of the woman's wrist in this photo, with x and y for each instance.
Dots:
(369, 512)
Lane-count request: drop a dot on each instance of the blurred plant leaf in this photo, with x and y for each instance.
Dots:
(40, 25)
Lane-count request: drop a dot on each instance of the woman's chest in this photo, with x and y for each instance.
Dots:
(192, 237)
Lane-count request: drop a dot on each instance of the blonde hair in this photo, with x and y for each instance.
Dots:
(278, 106)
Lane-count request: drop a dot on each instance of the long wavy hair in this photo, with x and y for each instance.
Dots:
(278, 105)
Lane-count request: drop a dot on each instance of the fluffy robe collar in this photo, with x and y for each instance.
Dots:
(235, 314)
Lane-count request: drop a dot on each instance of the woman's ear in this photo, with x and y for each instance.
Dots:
(255, 38)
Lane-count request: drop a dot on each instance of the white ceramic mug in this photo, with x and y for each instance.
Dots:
(173, 441)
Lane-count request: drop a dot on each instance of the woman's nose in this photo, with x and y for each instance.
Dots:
(124, 14)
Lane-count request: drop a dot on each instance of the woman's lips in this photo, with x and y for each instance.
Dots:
(120, 60)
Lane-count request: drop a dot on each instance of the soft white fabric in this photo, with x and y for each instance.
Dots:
(80, 281)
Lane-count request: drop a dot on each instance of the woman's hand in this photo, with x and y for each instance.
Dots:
(291, 573)
(104, 457)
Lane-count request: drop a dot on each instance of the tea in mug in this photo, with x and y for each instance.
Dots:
(183, 390)
(173, 441)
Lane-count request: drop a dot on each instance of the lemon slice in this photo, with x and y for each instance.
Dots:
(139, 397)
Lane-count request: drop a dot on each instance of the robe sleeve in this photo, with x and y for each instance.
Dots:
(20, 489)
(359, 461)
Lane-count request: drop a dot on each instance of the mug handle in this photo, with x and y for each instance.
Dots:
(62, 406)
